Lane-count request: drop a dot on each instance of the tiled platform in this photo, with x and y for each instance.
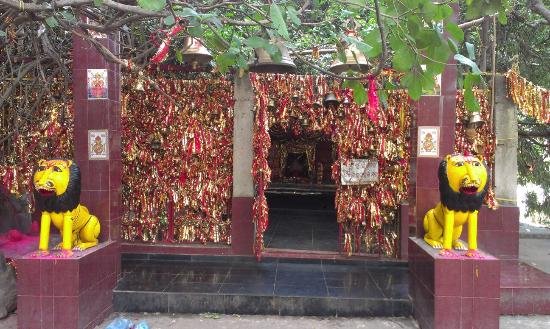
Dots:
(302, 230)
(302, 222)
(523, 289)
(195, 284)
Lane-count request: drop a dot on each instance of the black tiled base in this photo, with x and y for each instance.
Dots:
(276, 287)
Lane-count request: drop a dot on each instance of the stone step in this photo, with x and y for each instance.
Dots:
(274, 286)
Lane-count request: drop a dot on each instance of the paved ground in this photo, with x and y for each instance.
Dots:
(536, 252)
(218, 321)
(208, 321)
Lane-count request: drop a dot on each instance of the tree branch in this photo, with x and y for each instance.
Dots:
(538, 7)
(384, 54)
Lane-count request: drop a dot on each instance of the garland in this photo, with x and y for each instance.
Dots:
(367, 214)
(177, 160)
(531, 99)
(47, 133)
(480, 140)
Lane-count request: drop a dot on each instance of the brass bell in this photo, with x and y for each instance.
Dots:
(195, 53)
(264, 63)
(271, 105)
(139, 82)
(475, 120)
(356, 63)
(470, 133)
(304, 122)
(330, 100)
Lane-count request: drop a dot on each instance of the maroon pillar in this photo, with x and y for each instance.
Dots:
(433, 111)
(97, 113)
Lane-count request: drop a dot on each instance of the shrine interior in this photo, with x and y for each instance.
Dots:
(301, 193)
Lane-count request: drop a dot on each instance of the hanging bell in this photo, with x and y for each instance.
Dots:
(264, 63)
(195, 53)
(475, 120)
(139, 82)
(330, 100)
(304, 122)
(356, 63)
(271, 105)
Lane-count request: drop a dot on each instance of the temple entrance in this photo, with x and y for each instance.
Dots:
(301, 195)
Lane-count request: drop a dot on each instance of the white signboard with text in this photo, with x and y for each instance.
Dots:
(359, 171)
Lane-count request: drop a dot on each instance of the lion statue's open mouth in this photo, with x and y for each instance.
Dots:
(470, 189)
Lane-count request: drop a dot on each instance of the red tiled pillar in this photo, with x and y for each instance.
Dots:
(76, 292)
(434, 111)
(101, 178)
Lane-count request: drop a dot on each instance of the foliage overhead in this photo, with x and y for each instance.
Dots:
(416, 37)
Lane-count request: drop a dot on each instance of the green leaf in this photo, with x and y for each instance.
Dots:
(442, 12)
(153, 5)
(51, 21)
(357, 3)
(471, 50)
(454, 31)
(2, 33)
(403, 59)
(256, 42)
(359, 92)
(179, 56)
(68, 16)
(363, 47)
(98, 3)
(426, 38)
(410, 80)
(169, 20)
(187, 12)
(196, 31)
(278, 21)
(414, 24)
(225, 61)
(452, 45)
(437, 57)
(293, 15)
(470, 101)
(466, 61)
(502, 18)
(274, 52)
(373, 40)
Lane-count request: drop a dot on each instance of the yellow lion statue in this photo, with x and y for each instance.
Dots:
(57, 194)
(462, 187)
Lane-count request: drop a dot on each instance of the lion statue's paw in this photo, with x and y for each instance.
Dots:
(473, 254)
(448, 253)
(459, 246)
(40, 253)
(65, 254)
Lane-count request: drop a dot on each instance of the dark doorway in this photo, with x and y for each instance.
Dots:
(301, 194)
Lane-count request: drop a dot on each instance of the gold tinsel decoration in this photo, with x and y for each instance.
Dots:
(531, 99)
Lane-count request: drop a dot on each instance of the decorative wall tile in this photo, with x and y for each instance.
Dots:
(428, 141)
(97, 84)
(98, 144)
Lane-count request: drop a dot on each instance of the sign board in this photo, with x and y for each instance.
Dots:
(359, 172)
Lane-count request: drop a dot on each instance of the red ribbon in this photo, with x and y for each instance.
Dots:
(162, 51)
(374, 102)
